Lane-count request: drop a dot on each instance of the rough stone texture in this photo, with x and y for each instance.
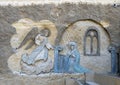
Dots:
(62, 15)
(44, 79)
(30, 2)
(71, 82)
(106, 79)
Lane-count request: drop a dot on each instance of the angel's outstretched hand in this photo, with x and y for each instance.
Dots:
(49, 46)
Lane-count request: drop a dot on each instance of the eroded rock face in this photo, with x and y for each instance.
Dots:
(43, 79)
(61, 15)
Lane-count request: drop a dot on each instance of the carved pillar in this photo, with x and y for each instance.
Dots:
(114, 65)
(56, 63)
(118, 58)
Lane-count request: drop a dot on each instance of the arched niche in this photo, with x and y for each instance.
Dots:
(92, 42)
(101, 62)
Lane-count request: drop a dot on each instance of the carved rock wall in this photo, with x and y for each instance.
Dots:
(29, 2)
(76, 32)
(61, 15)
(45, 79)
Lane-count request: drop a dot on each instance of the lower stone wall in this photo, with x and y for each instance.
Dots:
(57, 79)
(106, 79)
(42, 79)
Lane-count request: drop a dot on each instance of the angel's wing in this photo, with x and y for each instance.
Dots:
(51, 39)
(51, 26)
(30, 36)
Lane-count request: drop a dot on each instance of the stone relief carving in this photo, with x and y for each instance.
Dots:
(38, 59)
(70, 62)
(31, 35)
(91, 42)
(76, 32)
(74, 57)
(32, 44)
(61, 61)
(34, 55)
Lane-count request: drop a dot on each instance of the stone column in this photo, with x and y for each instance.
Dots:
(118, 56)
(114, 65)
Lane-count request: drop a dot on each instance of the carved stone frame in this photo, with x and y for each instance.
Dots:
(92, 28)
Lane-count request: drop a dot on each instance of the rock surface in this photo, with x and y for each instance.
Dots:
(61, 15)
(43, 79)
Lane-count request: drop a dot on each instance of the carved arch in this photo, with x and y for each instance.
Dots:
(93, 37)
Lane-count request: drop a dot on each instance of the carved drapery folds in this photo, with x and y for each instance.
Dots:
(92, 42)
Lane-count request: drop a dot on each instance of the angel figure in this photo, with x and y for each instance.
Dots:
(32, 45)
(38, 60)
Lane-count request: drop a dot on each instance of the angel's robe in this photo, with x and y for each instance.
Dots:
(39, 53)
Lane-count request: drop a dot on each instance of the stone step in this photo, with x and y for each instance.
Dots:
(74, 81)
(107, 79)
(42, 79)
(92, 83)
